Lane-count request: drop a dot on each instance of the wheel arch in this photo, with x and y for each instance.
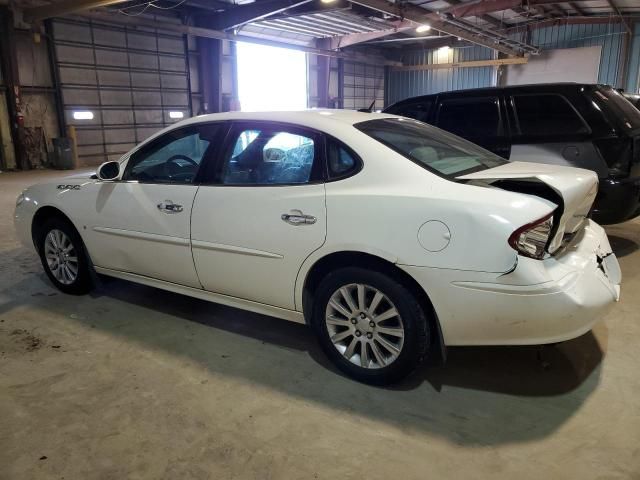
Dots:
(43, 214)
(339, 259)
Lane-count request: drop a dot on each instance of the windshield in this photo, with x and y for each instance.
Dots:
(625, 113)
(436, 150)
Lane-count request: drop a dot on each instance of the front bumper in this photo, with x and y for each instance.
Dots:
(22, 219)
(539, 302)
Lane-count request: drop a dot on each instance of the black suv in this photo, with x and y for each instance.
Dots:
(633, 98)
(587, 126)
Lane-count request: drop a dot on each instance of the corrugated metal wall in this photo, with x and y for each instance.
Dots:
(633, 69)
(608, 36)
(403, 84)
(129, 78)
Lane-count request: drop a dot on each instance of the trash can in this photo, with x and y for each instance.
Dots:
(62, 153)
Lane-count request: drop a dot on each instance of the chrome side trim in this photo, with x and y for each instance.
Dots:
(285, 314)
(152, 237)
(220, 247)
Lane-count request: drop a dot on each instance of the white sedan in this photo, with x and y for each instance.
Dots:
(391, 238)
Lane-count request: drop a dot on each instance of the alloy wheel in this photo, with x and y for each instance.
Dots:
(364, 326)
(61, 257)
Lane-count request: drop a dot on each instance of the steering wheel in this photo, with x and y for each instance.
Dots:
(171, 167)
(274, 155)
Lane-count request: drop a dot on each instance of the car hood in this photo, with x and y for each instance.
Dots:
(575, 188)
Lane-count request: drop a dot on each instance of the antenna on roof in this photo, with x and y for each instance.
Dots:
(368, 110)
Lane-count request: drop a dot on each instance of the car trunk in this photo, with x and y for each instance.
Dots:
(572, 190)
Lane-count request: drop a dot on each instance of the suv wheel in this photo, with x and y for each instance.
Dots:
(369, 325)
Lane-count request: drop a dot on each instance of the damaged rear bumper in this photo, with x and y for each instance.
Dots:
(539, 302)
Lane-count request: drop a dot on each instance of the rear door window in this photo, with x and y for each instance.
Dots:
(341, 161)
(471, 118)
(540, 116)
(267, 154)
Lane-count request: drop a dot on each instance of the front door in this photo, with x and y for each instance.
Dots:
(141, 223)
(262, 214)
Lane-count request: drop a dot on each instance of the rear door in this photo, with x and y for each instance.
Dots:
(478, 119)
(261, 213)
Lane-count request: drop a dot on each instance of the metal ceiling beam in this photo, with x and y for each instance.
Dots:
(469, 64)
(573, 20)
(210, 5)
(420, 15)
(578, 10)
(487, 18)
(208, 33)
(252, 12)
(355, 38)
(477, 8)
(65, 7)
(619, 13)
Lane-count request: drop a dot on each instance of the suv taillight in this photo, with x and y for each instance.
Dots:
(531, 239)
(618, 155)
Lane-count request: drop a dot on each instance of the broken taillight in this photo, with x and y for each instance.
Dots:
(531, 239)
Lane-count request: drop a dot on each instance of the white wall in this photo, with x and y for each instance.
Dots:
(580, 65)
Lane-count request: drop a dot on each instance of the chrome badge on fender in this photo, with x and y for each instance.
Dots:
(68, 187)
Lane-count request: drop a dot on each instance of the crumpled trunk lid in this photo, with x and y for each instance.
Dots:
(575, 188)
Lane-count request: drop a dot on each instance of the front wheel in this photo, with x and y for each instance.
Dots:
(63, 257)
(370, 325)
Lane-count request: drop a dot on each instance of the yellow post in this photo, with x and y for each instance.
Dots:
(71, 133)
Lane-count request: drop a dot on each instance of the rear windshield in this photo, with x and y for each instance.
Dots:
(434, 149)
(623, 111)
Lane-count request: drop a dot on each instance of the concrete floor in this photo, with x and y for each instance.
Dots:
(132, 382)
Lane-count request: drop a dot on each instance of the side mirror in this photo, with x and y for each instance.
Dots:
(109, 170)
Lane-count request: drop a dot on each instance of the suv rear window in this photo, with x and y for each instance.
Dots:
(434, 149)
(546, 115)
(624, 112)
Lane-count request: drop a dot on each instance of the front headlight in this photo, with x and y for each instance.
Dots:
(21, 198)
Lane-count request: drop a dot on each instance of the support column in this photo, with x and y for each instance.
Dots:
(9, 59)
(323, 64)
(210, 63)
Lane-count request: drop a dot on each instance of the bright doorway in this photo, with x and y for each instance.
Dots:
(271, 78)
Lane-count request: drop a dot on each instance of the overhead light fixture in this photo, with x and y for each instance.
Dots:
(83, 115)
(176, 115)
(327, 1)
(423, 28)
(444, 49)
(459, 39)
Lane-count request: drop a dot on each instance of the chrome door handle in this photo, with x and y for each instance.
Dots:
(169, 207)
(296, 217)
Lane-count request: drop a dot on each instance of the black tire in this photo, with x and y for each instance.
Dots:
(83, 282)
(413, 320)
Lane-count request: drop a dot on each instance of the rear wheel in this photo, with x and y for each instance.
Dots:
(63, 257)
(370, 325)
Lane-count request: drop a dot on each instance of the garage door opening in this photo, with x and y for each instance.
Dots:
(271, 78)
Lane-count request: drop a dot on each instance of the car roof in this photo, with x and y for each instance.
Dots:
(557, 87)
(330, 121)
(314, 118)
